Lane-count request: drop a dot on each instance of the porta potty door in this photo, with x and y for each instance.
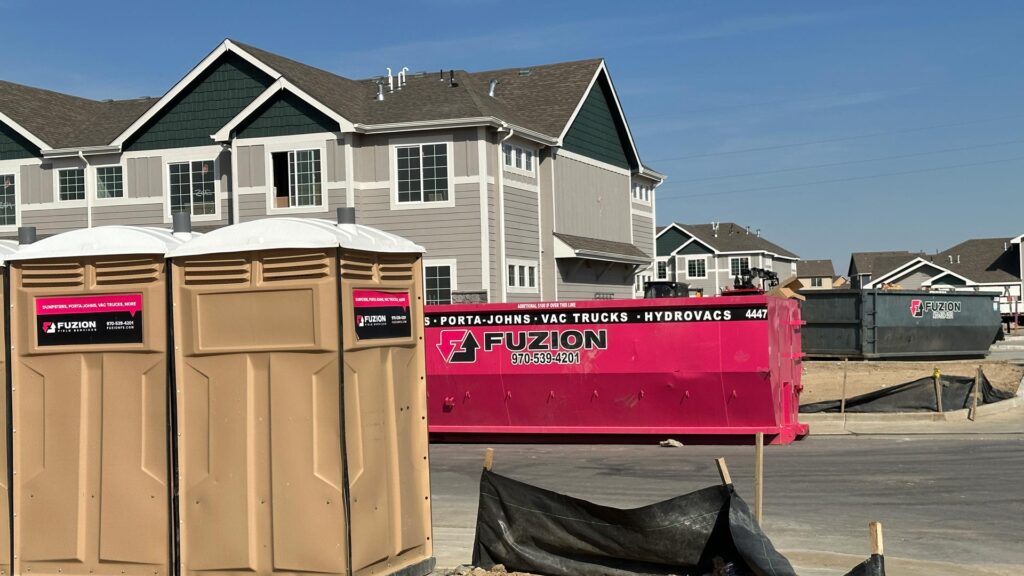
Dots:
(386, 412)
(89, 399)
(260, 454)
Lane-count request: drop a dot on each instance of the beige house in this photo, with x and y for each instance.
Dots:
(816, 274)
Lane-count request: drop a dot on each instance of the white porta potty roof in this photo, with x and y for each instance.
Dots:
(7, 247)
(102, 241)
(285, 233)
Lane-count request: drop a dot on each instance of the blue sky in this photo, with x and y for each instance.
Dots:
(832, 127)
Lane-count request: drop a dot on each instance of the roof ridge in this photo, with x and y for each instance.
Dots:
(533, 66)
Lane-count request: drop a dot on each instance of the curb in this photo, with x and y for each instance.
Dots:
(839, 424)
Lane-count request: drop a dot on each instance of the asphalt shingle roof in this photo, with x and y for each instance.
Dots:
(982, 260)
(814, 269)
(878, 263)
(734, 238)
(603, 246)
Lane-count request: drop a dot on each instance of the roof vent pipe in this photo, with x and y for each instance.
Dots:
(26, 234)
(181, 222)
(491, 86)
(957, 258)
(950, 258)
(346, 215)
(403, 76)
(391, 81)
(440, 75)
(451, 79)
(380, 90)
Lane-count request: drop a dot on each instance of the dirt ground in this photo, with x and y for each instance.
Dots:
(823, 380)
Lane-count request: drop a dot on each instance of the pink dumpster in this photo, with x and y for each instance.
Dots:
(707, 369)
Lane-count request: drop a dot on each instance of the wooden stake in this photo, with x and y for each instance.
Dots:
(938, 388)
(842, 403)
(877, 546)
(974, 397)
(488, 458)
(759, 477)
(723, 471)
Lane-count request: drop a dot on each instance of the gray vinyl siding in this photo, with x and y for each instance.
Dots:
(591, 202)
(335, 161)
(144, 178)
(254, 206)
(370, 155)
(643, 234)
(445, 232)
(54, 220)
(465, 156)
(547, 218)
(521, 227)
(251, 166)
(916, 279)
(642, 207)
(708, 285)
(35, 184)
(129, 215)
(582, 283)
(517, 177)
(492, 241)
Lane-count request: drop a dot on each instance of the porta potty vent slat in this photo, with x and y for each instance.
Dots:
(53, 274)
(295, 267)
(217, 271)
(395, 268)
(117, 272)
(357, 267)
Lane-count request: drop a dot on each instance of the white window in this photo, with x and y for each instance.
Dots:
(8, 200)
(697, 267)
(522, 276)
(193, 187)
(109, 182)
(738, 266)
(662, 270)
(439, 281)
(71, 184)
(640, 282)
(642, 193)
(816, 282)
(298, 178)
(422, 173)
(518, 158)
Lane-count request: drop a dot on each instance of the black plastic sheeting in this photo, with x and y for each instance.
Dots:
(710, 531)
(873, 566)
(916, 396)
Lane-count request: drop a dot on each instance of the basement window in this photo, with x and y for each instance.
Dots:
(298, 179)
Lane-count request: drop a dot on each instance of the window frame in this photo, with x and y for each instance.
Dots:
(292, 180)
(703, 259)
(56, 186)
(96, 181)
(522, 267)
(278, 144)
(657, 269)
(217, 173)
(453, 283)
(731, 258)
(817, 282)
(642, 193)
(15, 174)
(422, 203)
(519, 152)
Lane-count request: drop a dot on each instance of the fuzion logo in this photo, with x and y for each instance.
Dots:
(75, 326)
(940, 309)
(460, 346)
(49, 327)
(371, 320)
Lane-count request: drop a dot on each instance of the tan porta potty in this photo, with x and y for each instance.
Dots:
(301, 401)
(89, 339)
(7, 247)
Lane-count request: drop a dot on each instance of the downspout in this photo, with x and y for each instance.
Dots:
(88, 196)
(502, 279)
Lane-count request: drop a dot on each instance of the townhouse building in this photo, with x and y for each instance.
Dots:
(709, 257)
(522, 184)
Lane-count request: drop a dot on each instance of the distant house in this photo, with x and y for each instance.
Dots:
(981, 264)
(815, 274)
(708, 257)
(840, 282)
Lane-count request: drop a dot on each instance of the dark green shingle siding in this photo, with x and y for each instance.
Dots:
(204, 107)
(283, 115)
(695, 249)
(669, 241)
(14, 146)
(598, 131)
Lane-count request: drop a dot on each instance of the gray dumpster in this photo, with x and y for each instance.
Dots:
(898, 323)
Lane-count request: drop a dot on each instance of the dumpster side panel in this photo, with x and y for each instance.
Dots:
(385, 413)
(833, 323)
(260, 453)
(915, 323)
(89, 403)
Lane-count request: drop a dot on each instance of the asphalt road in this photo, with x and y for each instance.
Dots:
(943, 498)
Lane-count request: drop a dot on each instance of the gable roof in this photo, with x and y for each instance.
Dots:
(983, 260)
(879, 263)
(54, 120)
(731, 237)
(815, 268)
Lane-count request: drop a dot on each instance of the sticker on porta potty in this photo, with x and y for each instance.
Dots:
(380, 314)
(106, 319)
